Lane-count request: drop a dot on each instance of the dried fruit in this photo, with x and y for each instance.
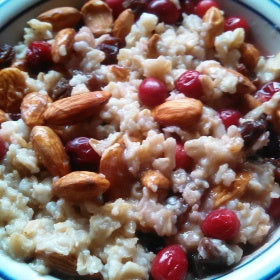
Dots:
(76, 108)
(7, 54)
(204, 5)
(233, 22)
(181, 158)
(154, 180)
(50, 151)
(80, 186)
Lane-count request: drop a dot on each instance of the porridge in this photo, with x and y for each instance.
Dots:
(138, 140)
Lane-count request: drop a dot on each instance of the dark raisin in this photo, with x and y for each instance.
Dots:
(61, 90)
(137, 6)
(110, 52)
(93, 83)
(14, 116)
(151, 241)
(7, 54)
(113, 41)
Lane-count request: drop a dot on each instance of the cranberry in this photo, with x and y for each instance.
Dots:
(116, 6)
(230, 117)
(170, 263)
(81, 151)
(189, 84)
(232, 23)
(182, 159)
(152, 92)
(3, 149)
(221, 224)
(267, 91)
(137, 6)
(38, 56)
(274, 208)
(202, 6)
(165, 10)
(187, 6)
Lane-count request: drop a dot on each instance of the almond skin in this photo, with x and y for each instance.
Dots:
(76, 108)
(50, 151)
(182, 112)
(80, 186)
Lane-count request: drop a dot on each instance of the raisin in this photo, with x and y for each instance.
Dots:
(14, 116)
(151, 241)
(110, 53)
(7, 54)
(93, 83)
(137, 6)
(61, 90)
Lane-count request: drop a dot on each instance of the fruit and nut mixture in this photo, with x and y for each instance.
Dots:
(139, 140)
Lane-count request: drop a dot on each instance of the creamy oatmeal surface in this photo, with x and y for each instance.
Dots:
(129, 135)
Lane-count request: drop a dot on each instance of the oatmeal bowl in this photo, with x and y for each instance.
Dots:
(139, 139)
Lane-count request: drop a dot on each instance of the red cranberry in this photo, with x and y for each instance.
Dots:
(267, 91)
(189, 84)
(230, 117)
(202, 6)
(274, 208)
(81, 152)
(3, 149)
(116, 6)
(232, 23)
(165, 10)
(182, 159)
(187, 6)
(170, 263)
(38, 56)
(152, 92)
(221, 224)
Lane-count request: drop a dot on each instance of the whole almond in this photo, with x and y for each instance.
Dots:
(12, 89)
(62, 45)
(182, 112)
(80, 186)
(76, 108)
(98, 17)
(62, 17)
(154, 180)
(50, 151)
(250, 55)
(123, 23)
(33, 107)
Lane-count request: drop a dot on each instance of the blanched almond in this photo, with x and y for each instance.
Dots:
(182, 112)
(123, 23)
(50, 151)
(76, 108)
(154, 180)
(80, 186)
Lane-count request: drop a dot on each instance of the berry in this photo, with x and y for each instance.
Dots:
(182, 159)
(38, 56)
(267, 91)
(274, 208)
(170, 263)
(187, 6)
(137, 6)
(116, 6)
(81, 152)
(3, 149)
(165, 10)
(189, 84)
(152, 92)
(221, 224)
(203, 5)
(232, 23)
(230, 117)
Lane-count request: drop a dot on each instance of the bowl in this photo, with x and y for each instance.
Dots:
(264, 19)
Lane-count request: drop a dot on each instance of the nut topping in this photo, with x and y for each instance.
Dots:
(80, 186)
(250, 55)
(152, 46)
(76, 108)
(154, 180)
(50, 151)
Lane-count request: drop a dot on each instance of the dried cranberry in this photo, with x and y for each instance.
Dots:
(152, 92)
(116, 6)
(231, 23)
(274, 208)
(165, 10)
(3, 149)
(38, 56)
(187, 6)
(182, 159)
(229, 117)
(189, 84)
(137, 6)
(267, 91)
(81, 152)
(202, 6)
(7, 54)
(221, 224)
(170, 263)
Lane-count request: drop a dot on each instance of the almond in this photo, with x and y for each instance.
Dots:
(62, 45)
(123, 23)
(80, 186)
(50, 151)
(215, 19)
(182, 112)
(152, 46)
(76, 108)
(250, 55)
(121, 73)
(12, 89)
(62, 17)
(154, 180)
(33, 107)
(98, 17)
